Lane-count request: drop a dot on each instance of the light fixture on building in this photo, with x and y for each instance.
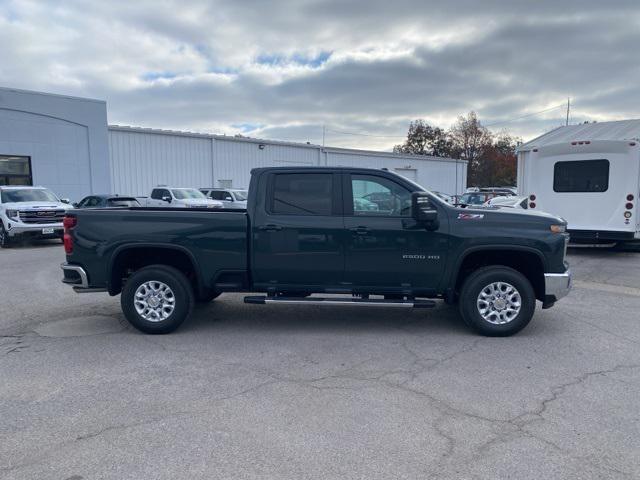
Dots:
(261, 146)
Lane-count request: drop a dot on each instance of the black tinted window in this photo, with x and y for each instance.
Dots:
(217, 195)
(156, 194)
(581, 176)
(123, 202)
(303, 193)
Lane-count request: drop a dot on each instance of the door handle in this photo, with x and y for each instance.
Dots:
(269, 228)
(360, 230)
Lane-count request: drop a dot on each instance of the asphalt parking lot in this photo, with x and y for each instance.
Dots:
(317, 392)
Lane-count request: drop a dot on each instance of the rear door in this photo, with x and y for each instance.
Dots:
(298, 238)
(384, 249)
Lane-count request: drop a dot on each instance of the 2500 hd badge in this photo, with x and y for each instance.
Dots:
(308, 230)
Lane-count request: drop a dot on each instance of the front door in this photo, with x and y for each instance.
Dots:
(385, 249)
(298, 234)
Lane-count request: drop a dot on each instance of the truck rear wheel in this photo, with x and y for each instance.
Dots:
(157, 299)
(497, 301)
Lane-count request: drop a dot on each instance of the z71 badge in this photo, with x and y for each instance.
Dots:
(470, 216)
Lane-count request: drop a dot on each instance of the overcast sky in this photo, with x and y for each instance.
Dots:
(284, 69)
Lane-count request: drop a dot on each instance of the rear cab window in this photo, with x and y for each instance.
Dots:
(581, 176)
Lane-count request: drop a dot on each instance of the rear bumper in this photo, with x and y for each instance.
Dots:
(77, 277)
(74, 275)
(594, 236)
(556, 286)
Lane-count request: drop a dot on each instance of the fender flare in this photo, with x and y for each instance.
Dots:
(455, 271)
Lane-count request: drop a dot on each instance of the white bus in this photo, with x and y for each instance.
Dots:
(589, 175)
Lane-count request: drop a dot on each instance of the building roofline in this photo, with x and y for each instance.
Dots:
(58, 95)
(353, 151)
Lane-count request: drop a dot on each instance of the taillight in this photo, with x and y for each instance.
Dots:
(630, 197)
(68, 223)
(532, 205)
(629, 206)
(532, 197)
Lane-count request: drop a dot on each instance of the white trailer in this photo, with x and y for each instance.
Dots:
(589, 175)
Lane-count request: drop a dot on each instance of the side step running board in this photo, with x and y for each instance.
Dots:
(360, 302)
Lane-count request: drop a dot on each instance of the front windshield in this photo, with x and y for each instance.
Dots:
(28, 195)
(472, 199)
(241, 195)
(186, 193)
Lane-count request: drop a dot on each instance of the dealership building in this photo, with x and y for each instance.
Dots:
(66, 144)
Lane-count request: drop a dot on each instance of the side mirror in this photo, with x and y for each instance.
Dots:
(167, 199)
(65, 200)
(228, 198)
(423, 211)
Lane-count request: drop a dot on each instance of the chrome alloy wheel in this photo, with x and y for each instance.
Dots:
(499, 303)
(154, 301)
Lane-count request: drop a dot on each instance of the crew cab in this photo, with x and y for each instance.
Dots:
(174, 197)
(308, 238)
(27, 211)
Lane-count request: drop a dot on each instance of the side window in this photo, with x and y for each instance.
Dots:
(165, 193)
(83, 202)
(227, 196)
(156, 194)
(379, 196)
(302, 194)
(216, 195)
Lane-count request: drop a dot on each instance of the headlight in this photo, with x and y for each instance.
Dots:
(558, 228)
(12, 214)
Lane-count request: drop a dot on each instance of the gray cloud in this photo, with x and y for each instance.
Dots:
(205, 66)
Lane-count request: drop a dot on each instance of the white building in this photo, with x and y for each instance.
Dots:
(66, 144)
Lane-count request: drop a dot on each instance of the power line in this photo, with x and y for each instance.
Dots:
(342, 132)
(525, 116)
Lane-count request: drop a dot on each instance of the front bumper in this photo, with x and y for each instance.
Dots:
(15, 229)
(556, 286)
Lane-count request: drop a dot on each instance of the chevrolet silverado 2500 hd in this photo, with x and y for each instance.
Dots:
(370, 234)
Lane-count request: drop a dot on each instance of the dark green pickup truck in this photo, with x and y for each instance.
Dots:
(370, 234)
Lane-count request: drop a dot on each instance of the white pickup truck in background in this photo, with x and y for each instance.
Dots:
(173, 197)
(30, 212)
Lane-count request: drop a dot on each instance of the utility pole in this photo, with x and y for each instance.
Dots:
(568, 109)
(323, 133)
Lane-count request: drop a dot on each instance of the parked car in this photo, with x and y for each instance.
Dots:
(230, 198)
(27, 211)
(163, 196)
(499, 190)
(445, 197)
(301, 236)
(508, 201)
(107, 201)
(474, 198)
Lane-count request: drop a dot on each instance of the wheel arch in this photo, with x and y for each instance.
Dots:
(147, 254)
(526, 260)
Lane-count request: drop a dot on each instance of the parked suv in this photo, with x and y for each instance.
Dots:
(173, 197)
(230, 198)
(30, 211)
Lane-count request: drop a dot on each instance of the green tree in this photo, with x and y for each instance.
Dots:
(423, 139)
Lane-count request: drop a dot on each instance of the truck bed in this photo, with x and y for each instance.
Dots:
(217, 239)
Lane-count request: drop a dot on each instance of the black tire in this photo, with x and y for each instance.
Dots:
(483, 278)
(179, 286)
(5, 240)
(208, 296)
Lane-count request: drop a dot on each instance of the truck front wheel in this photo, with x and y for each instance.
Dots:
(157, 299)
(497, 301)
(5, 240)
